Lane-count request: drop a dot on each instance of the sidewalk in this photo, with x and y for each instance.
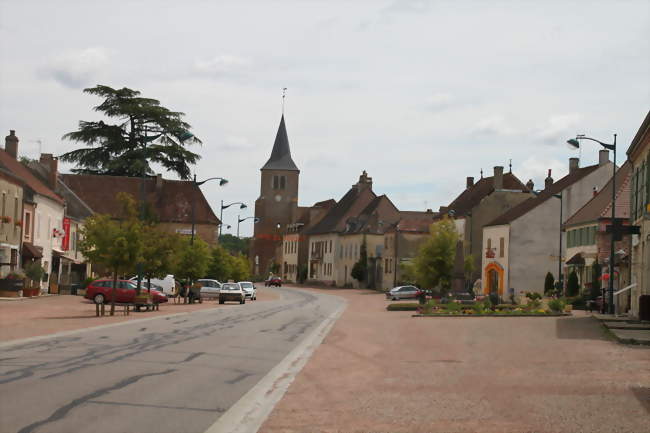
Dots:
(380, 371)
(38, 316)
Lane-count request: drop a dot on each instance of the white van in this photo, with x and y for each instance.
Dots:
(168, 284)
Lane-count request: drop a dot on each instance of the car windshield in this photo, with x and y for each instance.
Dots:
(246, 285)
(229, 286)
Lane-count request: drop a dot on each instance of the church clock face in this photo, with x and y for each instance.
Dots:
(278, 197)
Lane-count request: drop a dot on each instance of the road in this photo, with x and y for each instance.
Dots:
(169, 374)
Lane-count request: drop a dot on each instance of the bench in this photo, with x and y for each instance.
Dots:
(100, 309)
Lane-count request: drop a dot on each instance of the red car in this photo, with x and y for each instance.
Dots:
(100, 291)
(273, 281)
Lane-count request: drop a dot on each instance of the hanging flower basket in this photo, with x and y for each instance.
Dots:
(18, 223)
(6, 219)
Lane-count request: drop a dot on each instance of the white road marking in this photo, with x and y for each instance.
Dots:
(248, 414)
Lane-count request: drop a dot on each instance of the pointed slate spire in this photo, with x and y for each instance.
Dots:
(281, 155)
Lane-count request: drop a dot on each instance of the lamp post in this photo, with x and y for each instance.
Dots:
(222, 182)
(239, 220)
(574, 142)
(226, 206)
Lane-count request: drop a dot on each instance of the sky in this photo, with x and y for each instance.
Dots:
(420, 94)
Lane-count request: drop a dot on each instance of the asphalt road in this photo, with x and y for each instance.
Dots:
(170, 374)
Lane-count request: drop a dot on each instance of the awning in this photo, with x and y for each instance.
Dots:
(58, 253)
(576, 260)
(29, 250)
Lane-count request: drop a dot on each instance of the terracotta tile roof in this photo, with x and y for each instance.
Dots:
(171, 199)
(416, 222)
(600, 206)
(353, 202)
(377, 217)
(472, 196)
(530, 204)
(19, 170)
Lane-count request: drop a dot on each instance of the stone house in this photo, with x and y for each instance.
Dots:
(523, 244)
(587, 242)
(11, 210)
(639, 156)
(325, 246)
(479, 204)
(71, 263)
(170, 201)
(402, 242)
(48, 212)
(295, 244)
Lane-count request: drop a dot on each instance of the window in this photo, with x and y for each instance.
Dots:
(385, 266)
(283, 182)
(330, 246)
(276, 182)
(27, 225)
(489, 244)
(4, 203)
(502, 243)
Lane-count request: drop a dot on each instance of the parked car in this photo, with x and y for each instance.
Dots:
(403, 292)
(100, 291)
(168, 284)
(209, 288)
(231, 292)
(463, 298)
(249, 290)
(273, 281)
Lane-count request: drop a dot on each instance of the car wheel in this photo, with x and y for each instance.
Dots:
(99, 298)
(221, 301)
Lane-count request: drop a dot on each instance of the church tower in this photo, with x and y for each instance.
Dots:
(277, 204)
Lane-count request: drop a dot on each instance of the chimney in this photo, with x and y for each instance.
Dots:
(574, 164)
(595, 191)
(159, 182)
(51, 164)
(365, 181)
(498, 177)
(530, 185)
(603, 157)
(470, 182)
(549, 180)
(11, 144)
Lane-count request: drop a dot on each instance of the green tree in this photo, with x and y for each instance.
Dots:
(360, 269)
(240, 268)
(193, 260)
(595, 278)
(434, 262)
(234, 244)
(145, 132)
(573, 285)
(549, 284)
(220, 264)
(116, 244)
(407, 273)
(160, 253)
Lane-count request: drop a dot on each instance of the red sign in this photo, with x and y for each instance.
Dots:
(65, 243)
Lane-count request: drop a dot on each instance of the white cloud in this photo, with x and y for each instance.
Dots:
(232, 142)
(493, 125)
(221, 65)
(559, 128)
(77, 68)
(439, 101)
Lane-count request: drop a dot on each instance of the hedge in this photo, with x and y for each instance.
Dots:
(403, 306)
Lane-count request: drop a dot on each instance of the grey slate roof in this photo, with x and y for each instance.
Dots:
(281, 155)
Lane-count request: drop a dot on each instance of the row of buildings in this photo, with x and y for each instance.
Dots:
(43, 211)
(515, 233)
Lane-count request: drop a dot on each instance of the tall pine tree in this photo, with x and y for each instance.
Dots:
(145, 132)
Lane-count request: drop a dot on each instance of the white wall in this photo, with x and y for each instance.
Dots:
(49, 215)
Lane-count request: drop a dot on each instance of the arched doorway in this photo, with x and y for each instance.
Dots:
(493, 279)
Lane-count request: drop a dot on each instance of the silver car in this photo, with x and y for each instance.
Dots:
(209, 288)
(402, 292)
(249, 290)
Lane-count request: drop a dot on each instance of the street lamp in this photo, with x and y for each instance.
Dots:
(575, 142)
(222, 182)
(226, 206)
(239, 220)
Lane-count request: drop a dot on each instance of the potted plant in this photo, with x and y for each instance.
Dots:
(11, 285)
(34, 272)
(6, 219)
(18, 223)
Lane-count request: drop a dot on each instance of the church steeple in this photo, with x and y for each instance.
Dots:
(281, 155)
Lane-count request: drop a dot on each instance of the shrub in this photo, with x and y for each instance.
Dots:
(572, 286)
(478, 308)
(533, 296)
(487, 304)
(556, 305)
(549, 283)
(403, 306)
(505, 307)
(453, 307)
